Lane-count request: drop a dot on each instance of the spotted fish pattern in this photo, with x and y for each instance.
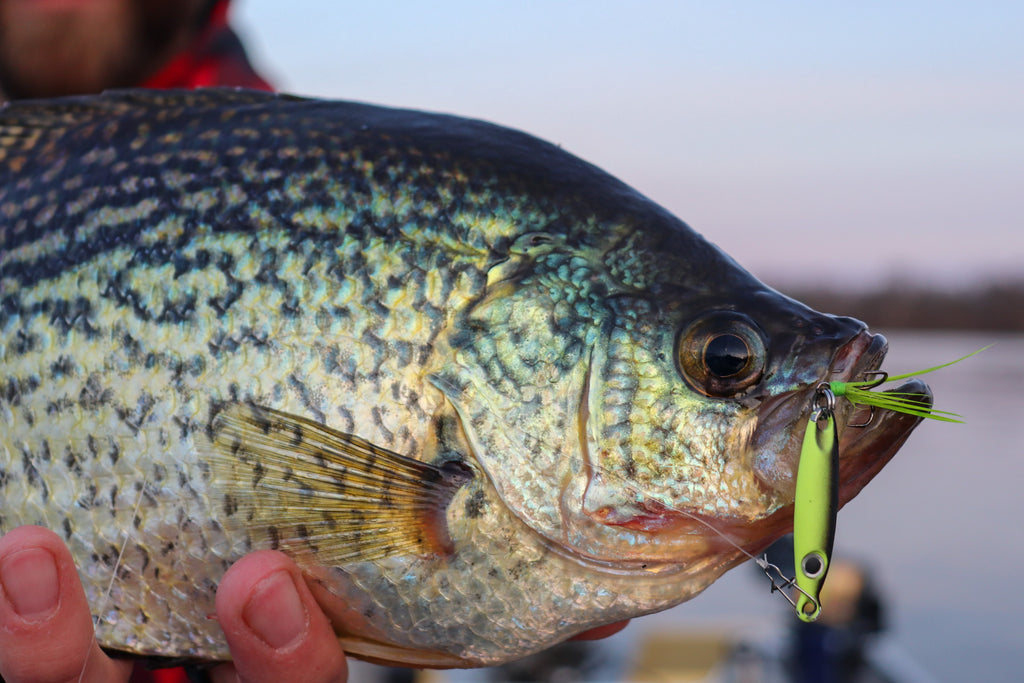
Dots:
(398, 345)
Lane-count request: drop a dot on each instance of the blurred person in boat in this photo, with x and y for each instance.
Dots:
(834, 649)
(51, 48)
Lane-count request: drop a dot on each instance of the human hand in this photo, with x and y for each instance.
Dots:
(273, 626)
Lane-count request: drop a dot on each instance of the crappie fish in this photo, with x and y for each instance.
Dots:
(486, 395)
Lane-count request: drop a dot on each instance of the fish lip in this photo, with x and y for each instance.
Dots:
(865, 451)
(863, 359)
(870, 438)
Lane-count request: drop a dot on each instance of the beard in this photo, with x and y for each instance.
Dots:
(54, 48)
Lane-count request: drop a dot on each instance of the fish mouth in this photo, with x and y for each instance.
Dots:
(776, 442)
(695, 540)
(865, 450)
(868, 438)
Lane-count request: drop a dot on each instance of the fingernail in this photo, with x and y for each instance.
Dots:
(275, 613)
(30, 582)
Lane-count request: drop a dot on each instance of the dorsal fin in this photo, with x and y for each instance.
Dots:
(307, 488)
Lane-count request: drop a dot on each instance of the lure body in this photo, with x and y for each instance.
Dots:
(816, 502)
(816, 505)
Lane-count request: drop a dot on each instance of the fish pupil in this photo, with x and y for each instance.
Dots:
(726, 355)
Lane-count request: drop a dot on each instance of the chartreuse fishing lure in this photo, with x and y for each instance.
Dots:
(817, 483)
(816, 503)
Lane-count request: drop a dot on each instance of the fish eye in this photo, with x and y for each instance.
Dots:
(722, 354)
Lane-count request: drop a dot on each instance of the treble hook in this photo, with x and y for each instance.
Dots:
(883, 377)
(866, 423)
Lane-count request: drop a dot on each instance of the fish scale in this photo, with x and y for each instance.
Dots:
(123, 322)
(439, 362)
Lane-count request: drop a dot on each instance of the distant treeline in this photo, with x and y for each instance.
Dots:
(994, 306)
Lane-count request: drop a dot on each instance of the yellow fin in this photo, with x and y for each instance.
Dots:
(310, 489)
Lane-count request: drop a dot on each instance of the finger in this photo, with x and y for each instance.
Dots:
(46, 629)
(274, 627)
(602, 631)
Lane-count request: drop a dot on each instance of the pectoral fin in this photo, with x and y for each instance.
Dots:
(306, 488)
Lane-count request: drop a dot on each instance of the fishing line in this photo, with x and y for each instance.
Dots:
(781, 586)
(113, 577)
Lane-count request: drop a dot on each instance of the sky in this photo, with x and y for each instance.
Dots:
(826, 144)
